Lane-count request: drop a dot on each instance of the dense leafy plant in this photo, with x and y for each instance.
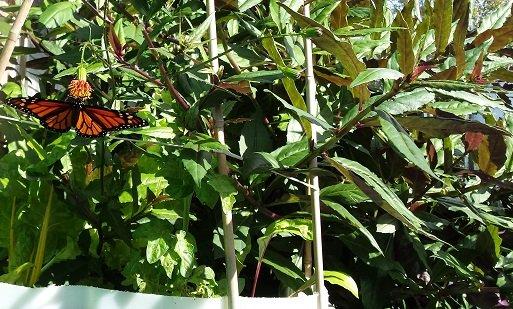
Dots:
(416, 151)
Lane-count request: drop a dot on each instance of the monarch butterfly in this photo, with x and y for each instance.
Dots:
(88, 120)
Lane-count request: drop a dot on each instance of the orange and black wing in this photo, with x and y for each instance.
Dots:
(54, 115)
(95, 121)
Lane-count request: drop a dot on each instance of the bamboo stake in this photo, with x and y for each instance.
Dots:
(322, 299)
(12, 38)
(229, 243)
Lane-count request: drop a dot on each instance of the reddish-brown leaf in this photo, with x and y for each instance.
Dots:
(115, 43)
(473, 140)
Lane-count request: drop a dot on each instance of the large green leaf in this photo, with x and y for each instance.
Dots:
(59, 13)
(342, 50)
(402, 143)
(345, 193)
(442, 19)
(288, 272)
(227, 191)
(374, 74)
(443, 127)
(478, 99)
(196, 170)
(185, 247)
(155, 249)
(257, 76)
(407, 101)
(301, 113)
(377, 190)
(346, 215)
(341, 279)
(285, 227)
(291, 154)
(288, 83)
(405, 55)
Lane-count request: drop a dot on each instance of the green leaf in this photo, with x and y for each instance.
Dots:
(344, 214)
(345, 193)
(14, 276)
(288, 272)
(405, 56)
(59, 148)
(442, 20)
(196, 170)
(11, 89)
(57, 14)
(288, 83)
(341, 279)
(158, 132)
(169, 262)
(443, 127)
(257, 76)
(300, 113)
(378, 191)
(488, 244)
(200, 31)
(185, 247)
(407, 101)
(402, 143)
(343, 51)
(457, 108)
(255, 135)
(155, 249)
(374, 74)
(227, 191)
(166, 214)
(455, 264)
(291, 154)
(52, 47)
(323, 12)
(285, 227)
(478, 99)
(497, 18)
(245, 5)
(349, 31)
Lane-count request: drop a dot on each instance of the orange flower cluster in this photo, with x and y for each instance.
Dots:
(80, 89)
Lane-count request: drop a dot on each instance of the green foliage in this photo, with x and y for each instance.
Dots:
(415, 151)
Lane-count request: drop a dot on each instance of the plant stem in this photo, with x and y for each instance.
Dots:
(167, 82)
(313, 179)
(102, 166)
(255, 278)
(217, 113)
(12, 38)
(41, 245)
(163, 71)
(11, 235)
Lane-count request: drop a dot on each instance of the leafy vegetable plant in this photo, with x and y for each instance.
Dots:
(415, 151)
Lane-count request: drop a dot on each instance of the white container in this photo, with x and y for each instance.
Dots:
(85, 297)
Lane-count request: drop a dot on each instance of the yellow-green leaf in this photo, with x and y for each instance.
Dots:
(442, 19)
(342, 279)
(405, 55)
(342, 50)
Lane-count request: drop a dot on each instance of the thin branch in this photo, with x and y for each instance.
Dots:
(13, 36)
(97, 13)
(248, 195)
(163, 71)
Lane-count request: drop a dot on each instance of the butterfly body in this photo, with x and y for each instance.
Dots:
(88, 120)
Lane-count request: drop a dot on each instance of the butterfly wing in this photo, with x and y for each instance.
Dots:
(54, 115)
(93, 121)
